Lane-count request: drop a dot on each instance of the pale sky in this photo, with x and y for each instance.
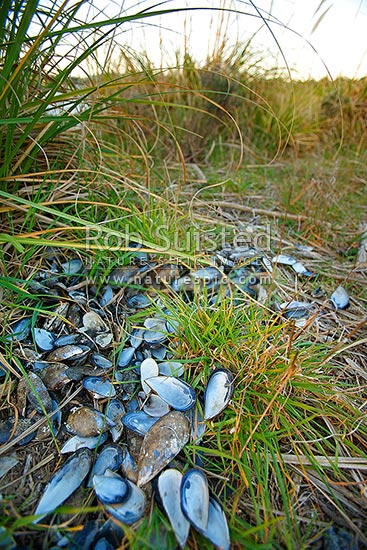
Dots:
(339, 41)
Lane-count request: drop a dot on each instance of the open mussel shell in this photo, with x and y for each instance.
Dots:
(88, 422)
(64, 482)
(195, 498)
(295, 309)
(115, 410)
(148, 369)
(217, 528)
(99, 388)
(110, 458)
(132, 509)
(77, 442)
(171, 368)
(177, 393)
(44, 339)
(125, 357)
(100, 361)
(92, 322)
(218, 392)
(163, 441)
(12, 428)
(155, 406)
(169, 486)
(138, 421)
(72, 267)
(20, 330)
(340, 298)
(111, 489)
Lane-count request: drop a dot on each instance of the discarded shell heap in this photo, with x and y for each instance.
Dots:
(134, 407)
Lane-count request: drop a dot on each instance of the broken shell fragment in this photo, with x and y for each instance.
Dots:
(340, 298)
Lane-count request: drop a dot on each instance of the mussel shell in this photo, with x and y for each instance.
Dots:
(138, 421)
(217, 529)
(169, 486)
(155, 406)
(284, 259)
(195, 498)
(171, 368)
(111, 489)
(148, 369)
(44, 339)
(218, 392)
(20, 330)
(177, 393)
(92, 322)
(299, 268)
(72, 267)
(64, 482)
(115, 410)
(295, 310)
(159, 352)
(122, 275)
(36, 392)
(100, 361)
(54, 376)
(132, 509)
(68, 339)
(110, 458)
(340, 298)
(21, 425)
(99, 388)
(103, 339)
(88, 422)
(7, 463)
(154, 337)
(163, 441)
(125, 357)
(129, 467)
(138, 301)
(70, 352)
(137, 337)
(106, 297)
(77, 442)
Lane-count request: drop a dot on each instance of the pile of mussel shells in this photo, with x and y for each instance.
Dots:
(124, 414)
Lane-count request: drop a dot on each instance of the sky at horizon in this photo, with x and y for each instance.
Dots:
(337, 45)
